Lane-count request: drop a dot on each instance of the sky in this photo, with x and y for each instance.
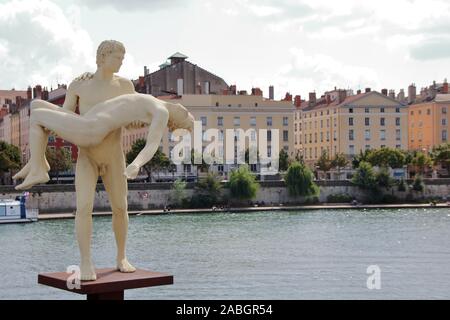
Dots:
(299, 46)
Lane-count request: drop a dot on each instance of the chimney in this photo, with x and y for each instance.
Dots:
(141, 82)
(312, 99)
(392, 93)
(233, 89)
(358, 91)
(384, 92)
(207, 86)
(18, 101)
(243, 92)
(256, 92)
(38, 92)
(271, 93)
(29, 93)
(45, 94)
(297, 101)
(225, 92)
(145, 71)
(411, 93)
(180, 87)
(342, 94)
(367, 90)
(328, 98)
(445, 86)
(288, 97)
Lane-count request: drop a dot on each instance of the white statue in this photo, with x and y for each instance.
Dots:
(107, 103)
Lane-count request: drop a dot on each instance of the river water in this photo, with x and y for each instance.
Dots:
(320, 254)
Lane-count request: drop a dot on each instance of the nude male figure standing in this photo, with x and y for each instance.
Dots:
(105, 160)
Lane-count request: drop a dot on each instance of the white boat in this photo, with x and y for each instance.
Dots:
(12, 211)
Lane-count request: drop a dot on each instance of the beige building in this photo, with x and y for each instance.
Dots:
(230, 112)
(337, 123)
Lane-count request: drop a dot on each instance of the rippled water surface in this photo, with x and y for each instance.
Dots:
(321, 254)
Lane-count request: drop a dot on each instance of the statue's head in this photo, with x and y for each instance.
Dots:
(110, 54)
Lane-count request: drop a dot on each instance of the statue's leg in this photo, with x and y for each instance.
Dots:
(85, 182)
(116, 186)
(41, 140)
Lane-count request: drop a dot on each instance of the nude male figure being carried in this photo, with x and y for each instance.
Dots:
(106, 103)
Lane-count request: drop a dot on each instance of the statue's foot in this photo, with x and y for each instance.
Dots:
(26, 169)
(124, 266)
(87, 272)
(32, 179)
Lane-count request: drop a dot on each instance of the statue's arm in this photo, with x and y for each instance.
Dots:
(70, 103)
(160, 117)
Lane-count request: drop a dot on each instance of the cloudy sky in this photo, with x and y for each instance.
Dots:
(296, 45)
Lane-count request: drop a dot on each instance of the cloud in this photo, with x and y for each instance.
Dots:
(134, 5)
(431, 49)
(38, 44)
(305, 73)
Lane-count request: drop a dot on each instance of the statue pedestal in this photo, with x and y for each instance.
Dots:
(110, 283)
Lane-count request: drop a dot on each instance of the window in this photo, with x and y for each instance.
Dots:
(412, 113)
(428, 111)
(253, 135)
(321, 124)
(367, 134)
(382, 122)
(295, 127)
(328, 135)
(367, 121)
(203, 119)
(398, 146)
(321, 137)
(217, 104)
(269, 151)
(350, 110)
(383, 134)
(444, 110)
(269, 135)
(382, 110)
(398, 134)
(444, 122)
(366, 110)
(237, 121)
(351, 149)
(315, 137)
(221, 135)
(397, 121)
(269, 121)
(285, 121)
(253, 121)
(367, 147)
(397, 110)
(444, 135)
(420, 112)
(285, 135)
(350, 121)
(350, 135)
(220, 121)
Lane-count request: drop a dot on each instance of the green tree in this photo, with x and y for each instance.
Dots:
(59, 159)
(324, 162)
(9, 157)
(159, 161)
(300, 180)
(242, 183)
(441, 155)
(418, 184)
(283, 159)
(178, 192)
(384, 179)
(421, 161)
(361, 157)
(365, 177)
(387, 157)
(207, 192)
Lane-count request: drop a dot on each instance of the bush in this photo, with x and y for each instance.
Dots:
(299, 180)
(339, 198)
(401, 186)
(206, 192)
(242, 184)
(384, 179)
(389, 198)
(418, 184)
(178, 192)
(365, 178)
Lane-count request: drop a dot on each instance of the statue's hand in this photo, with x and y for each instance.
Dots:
(131, 171)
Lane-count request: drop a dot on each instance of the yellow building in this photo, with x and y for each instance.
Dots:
(337, 123)
(230, 112)
(429, 123)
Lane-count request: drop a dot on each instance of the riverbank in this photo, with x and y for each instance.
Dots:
(49, 216)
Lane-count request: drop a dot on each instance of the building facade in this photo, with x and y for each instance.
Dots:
(337, 123)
